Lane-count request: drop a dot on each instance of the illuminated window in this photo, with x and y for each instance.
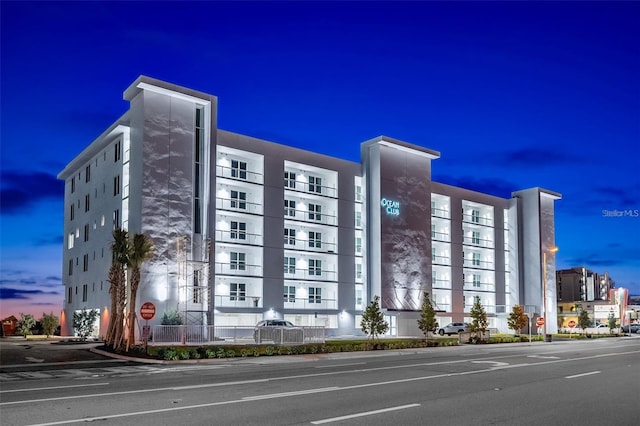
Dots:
(315, 184)
(315, 211)
(476, 280)
(358, 271)
(289, 293)
(475, 237)
(315, 239)
(239, 200)
(358, 219)
(290, 208)
(475, 216)
(358, 245)
(315, 267)
(358, 193)
(238, 169)
(289, 265)
(476, 259)
(238, 230)
(289, 236)
(238, 291)
(315, 295)
(289, 180)
(238, 261)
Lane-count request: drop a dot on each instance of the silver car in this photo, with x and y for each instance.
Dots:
(453, 328)
(278, 331)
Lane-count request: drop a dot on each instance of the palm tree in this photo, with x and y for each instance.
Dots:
(140, 250)
(117, 279)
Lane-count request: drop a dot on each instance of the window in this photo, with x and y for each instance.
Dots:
(433, 231)
(70, 266)
(239, 200)
(476, 259)
(85, 291)
(69, 295)
(238, 261)
(359, 245)
(289, 293)
(116, 219)
(358, 193)
(289, 265)
(315, 267)
(70, 240)
(73, 184)
(475, 216)
(238, 169)
(476, 280)
(434, 254)
(290, 208)
(315, 211)
(289, 236)
(315, 184)
(475, 237)
(238, 292)
(238, 230)
(358, 271)
(315, 295)
(87, 202)
(358, 296)
(85, 265)
(72, 212)
(358, 219)
(315, 239)
(198, 142)
(117, 151)
(116, 185)
(86, 233)
(87, 173)
(196, 286)
(289, 180)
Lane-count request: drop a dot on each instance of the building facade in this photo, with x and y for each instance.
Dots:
(580, 284)
(245, 229)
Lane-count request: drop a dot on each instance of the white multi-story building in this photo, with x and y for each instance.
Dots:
(246, 229)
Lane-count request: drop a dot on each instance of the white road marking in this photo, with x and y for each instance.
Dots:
(543, 356)
(495, 363)
(294, 393)
(364, 413)
(340, 365)
(582, 375)
(53, 387)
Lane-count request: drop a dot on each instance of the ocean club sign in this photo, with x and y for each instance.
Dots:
(392, 207)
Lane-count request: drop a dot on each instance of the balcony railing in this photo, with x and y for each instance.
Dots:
(437, 212)
(441, 283)
(440, 260)
(239, 237)
(238, 269)
(481, 264)
(237, 174)
(238, 205)
(305, 303)
(440, 236)
(301, 274)
(478, 220)
(325, 247)
(478, 242)
(238, 301)
(468, 285)
(309, 216)
(327, 191)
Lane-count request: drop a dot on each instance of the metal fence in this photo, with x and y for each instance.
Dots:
(213, 335)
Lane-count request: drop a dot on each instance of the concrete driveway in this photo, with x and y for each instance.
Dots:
(20, 351)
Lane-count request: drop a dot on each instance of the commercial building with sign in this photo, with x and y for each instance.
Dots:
(246, 229)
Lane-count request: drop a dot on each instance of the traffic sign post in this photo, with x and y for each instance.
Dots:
(571, 325)
(147, 312)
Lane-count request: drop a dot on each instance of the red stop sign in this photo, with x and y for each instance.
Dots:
(571, 323)
(540, 322)
(147, 311)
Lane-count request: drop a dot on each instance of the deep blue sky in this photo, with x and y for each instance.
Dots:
(513, 94)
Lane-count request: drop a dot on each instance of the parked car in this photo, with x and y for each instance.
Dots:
(635, 328)
(453, 328)
(278, 331)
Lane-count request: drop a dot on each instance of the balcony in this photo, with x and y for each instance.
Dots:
(238, 174)
(440, 212)
(238, 237)
(310, 274)
(441, 283)
(440, 260)
(478, 264)
(238, 205)
(310, 216)
(318, 246)
(478, 242)
(478, 220)
(440, 236)
(240, 269)
(310, 304)
(238, 301)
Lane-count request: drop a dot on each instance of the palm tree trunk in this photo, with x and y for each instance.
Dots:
(135, 282)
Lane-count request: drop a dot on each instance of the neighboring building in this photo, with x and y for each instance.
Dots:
(246, 229)
(9, 325)
(580, 284)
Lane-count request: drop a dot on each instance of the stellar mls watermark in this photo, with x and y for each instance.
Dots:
(621, 213)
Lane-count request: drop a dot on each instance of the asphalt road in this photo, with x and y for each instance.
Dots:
(592, 382)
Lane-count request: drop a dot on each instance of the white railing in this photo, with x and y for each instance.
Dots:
(211, 335)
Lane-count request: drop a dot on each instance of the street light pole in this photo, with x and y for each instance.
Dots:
(544, 288)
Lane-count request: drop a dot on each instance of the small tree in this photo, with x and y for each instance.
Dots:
(517, 319)
(49, 324)
(479, 323)
(427, 322)
(171, 318)
(83, 322)
(583, 320)
(373, 323)
(611, 322)
(26, 323)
